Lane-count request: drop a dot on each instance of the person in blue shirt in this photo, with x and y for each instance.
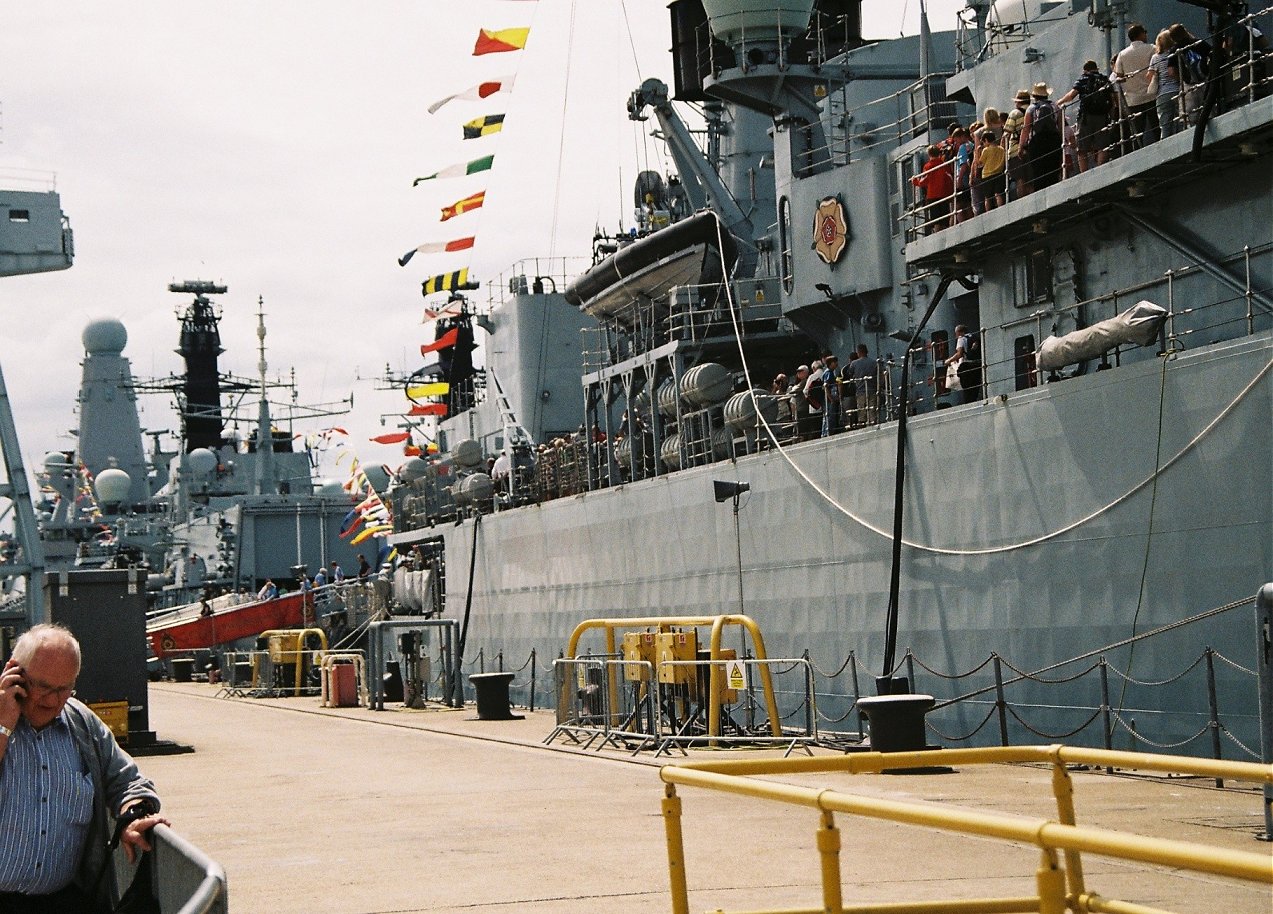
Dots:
(63, 778)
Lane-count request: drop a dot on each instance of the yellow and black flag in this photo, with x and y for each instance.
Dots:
(482, 126)
(447, 282)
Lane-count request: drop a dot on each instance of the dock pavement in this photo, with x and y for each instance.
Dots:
(351, 811)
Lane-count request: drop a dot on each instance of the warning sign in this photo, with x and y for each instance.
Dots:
(734, 674)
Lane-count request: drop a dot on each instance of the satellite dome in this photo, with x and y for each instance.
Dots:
(330, 488)
(105, 335)
(201, 461)
(112, 486)
(55, 460)
(467, 453)
(413, 469)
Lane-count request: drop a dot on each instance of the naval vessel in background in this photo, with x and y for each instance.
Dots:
(1114, 501)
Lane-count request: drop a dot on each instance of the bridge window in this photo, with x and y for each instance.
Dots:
(19, 215)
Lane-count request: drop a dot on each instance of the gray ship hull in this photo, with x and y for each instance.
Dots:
(1037, 527)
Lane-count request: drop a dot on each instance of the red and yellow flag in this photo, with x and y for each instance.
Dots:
(496, 41)
(463, 206)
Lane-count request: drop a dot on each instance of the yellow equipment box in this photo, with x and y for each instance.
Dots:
(114, 714)
(638, 648)
(677, 646)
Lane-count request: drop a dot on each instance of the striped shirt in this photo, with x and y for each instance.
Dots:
(46, 802)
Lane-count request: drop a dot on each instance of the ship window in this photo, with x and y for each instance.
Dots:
(19, 215)
(1038, 277)
(1026, 368)
(784, 243)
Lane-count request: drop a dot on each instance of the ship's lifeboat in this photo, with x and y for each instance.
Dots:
(686, 253)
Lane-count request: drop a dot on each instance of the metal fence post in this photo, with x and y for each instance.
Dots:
(533, 681)
(853, 667)
(808, 696)
(1214, 723)
(1000, 703)
(1107, 733)
(910, 669)
(499, 659)
(481, 660)
(1264, 666)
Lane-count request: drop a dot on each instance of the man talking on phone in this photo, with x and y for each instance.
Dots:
(62, 779)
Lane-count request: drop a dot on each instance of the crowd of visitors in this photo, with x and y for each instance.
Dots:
(824, 398)
(1149, 91)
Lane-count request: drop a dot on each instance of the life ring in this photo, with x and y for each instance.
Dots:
(167, 642)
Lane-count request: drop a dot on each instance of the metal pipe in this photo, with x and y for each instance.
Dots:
(890, 635)
(1205, 260)
(1264, 666)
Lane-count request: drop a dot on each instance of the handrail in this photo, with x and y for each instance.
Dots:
(184, 878)
(739, 777)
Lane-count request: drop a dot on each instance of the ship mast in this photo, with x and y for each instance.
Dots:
(200, 347)
(263, 477)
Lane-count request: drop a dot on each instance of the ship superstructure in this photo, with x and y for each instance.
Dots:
(1054, 512)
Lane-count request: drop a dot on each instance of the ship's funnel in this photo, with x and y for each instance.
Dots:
(737, 22)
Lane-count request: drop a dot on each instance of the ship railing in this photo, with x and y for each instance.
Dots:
(1098, 698)
(915, 110)
(183, 879)
(1246, 77)
(608, 701)
(975, 43)
(1192, 321)
(28, 179)
(534, 274)
(1060, 880)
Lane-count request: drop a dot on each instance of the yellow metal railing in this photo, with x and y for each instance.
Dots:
(1059, 879)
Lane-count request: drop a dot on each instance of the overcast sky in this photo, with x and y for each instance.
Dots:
(271, 145)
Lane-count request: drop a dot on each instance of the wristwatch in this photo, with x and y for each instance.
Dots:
(5, 731)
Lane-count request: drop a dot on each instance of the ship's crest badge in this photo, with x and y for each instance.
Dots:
(830, 230)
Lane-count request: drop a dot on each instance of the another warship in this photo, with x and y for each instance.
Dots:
(1112, 503)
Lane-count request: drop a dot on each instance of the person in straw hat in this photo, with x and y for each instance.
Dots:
(1041, 134)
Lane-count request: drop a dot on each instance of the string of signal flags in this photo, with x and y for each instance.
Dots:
(489, 41)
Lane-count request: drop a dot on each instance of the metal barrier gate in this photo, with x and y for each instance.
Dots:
(668, 704)
(1060, 885)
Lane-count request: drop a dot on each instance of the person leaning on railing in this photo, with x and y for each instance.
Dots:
(1132, 68)
(62, 779)
(1164, 79)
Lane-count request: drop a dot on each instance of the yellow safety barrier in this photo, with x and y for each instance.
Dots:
(1060, 887)
(287, 644)
(717, 672)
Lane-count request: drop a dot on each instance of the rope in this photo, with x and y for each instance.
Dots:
(1149, 524)
(1035, 678)
(1116, 645)
(1241, 745)
(941, 550)
(978, 668)
(837, 720)
(1018, 718)
(958, 739)
(821, 672)
(1118, 719)
(1233, 663)
(1150, 682)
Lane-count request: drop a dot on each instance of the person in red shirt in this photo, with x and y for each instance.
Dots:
(938, 183)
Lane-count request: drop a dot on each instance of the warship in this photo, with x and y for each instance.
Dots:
(1099, 490)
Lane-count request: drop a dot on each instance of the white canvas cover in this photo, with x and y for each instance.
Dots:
(1139, 324)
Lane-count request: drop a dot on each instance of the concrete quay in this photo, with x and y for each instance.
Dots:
(351, 811)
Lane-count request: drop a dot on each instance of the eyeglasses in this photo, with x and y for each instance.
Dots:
(44, 690)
